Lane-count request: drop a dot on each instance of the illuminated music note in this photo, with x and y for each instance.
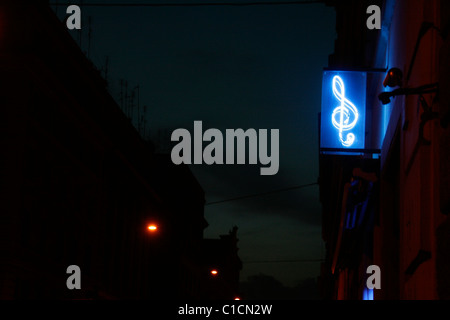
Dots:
(346, 115)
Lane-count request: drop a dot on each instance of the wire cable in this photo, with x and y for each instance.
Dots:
(261, 194)
(206, 4)
(284, 261)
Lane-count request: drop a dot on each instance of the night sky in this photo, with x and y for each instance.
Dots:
(232, 67)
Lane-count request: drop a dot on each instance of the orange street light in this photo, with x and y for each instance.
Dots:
(214, 272)
(152, 227)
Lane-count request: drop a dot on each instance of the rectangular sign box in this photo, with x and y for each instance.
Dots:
(343, 117)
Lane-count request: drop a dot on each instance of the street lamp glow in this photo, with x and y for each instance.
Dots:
(214, 272)
(152, 227)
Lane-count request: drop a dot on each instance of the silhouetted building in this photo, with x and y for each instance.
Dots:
(220, 265)
(79, 186)
(387, 205)
(196, 257)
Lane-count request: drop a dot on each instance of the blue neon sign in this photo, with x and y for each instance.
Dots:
(368, 294)
(343, 119)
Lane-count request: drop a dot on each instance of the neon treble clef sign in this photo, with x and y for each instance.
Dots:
(344, 100)
(344, 117)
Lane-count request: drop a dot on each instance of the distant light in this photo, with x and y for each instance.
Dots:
(237, 298)
(152, 227)
(214, 272)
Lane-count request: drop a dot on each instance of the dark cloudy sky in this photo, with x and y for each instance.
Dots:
(233, 67)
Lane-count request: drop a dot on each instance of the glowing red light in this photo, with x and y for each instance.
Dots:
(152, 227)
(214, 272)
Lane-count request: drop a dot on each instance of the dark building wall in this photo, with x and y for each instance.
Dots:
(78, 184)
(354, 46)
(73, 186)
(410, 161)
(355, 49)
(443, 230)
